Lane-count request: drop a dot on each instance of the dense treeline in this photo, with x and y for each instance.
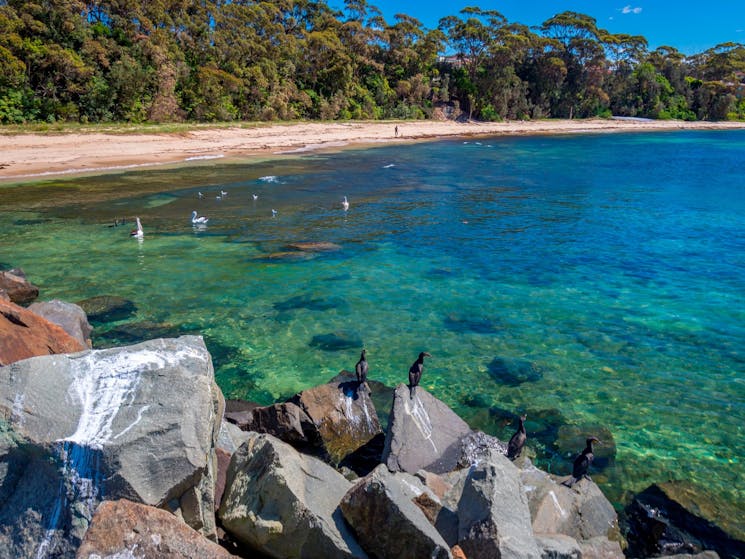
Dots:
(206, 60)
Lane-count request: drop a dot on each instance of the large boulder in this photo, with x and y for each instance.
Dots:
(392, 516)
(286, 504)
(126, 529)
(286, 421)
(17, 287)
(69, 316)
(679, 517)
(581, 512)
(137, 422)
(493, 514)
(423, 433)
(25, 334)
(344, 415)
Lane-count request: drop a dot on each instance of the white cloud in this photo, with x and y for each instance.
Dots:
(629, 10)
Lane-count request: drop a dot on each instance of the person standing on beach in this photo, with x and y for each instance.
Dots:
(396, 131)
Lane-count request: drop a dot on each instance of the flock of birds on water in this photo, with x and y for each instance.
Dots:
(201, 221)
(582, 462)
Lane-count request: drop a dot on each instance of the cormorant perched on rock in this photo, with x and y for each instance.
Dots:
(582, 463)
(360, 368)
(517, 442)
(415, 372)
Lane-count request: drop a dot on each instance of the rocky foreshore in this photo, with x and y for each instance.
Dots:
(132, 452)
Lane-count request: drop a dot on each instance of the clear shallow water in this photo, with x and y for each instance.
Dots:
(606, 272)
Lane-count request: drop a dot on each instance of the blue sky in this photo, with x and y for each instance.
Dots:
(689, 26)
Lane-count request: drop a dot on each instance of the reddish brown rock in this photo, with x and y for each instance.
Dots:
(126, 529)
(458, 552)
(344, 415)
(223, 461)
(18, 288)
(25, 334)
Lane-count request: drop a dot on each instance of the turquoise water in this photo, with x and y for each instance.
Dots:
(596, 282)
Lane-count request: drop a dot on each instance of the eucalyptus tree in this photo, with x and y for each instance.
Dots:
(577, 42)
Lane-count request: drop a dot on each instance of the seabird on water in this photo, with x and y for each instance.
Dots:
(345, 204)
(517, 442)
(201, 220)
(360, 368)
(256, 196)
(415, 372)
(137, 233)
(582, 463)
(274, 212)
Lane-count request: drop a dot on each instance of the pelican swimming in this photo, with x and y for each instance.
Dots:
(137, 233)
(200, 194)
(201, 220)
(256, 196)
(223, 193)
(274, 212)
(345, 204)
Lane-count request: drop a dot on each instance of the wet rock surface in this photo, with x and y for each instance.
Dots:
(678, 517)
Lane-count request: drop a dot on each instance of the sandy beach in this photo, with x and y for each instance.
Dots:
(35, 156)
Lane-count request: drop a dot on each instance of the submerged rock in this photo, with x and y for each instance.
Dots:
(25, 334)
(474, 324)
(107, 308)
(286, 504)
(68, 316)
(17, 287)
(386, 514)
(311, 303)
(513, 371)
(137, 422)
(337, 341)
(424, 433)
(126, 529)
(318, 246)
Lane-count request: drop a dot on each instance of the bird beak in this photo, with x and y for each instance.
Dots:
(427, 354)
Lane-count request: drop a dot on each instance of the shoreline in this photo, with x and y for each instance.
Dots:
(32, 157)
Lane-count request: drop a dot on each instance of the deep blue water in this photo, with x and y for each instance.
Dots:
(595, 281)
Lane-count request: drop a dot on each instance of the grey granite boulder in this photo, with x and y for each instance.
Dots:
(69, 316)
(123, 529)
(286, 504)
(137, 422)
(423, 433)
(558, 546)
(230, 437)
(344, 415)
(582, 512)
(286, 421)
(392, 516)
(493, 514)
(17, 287)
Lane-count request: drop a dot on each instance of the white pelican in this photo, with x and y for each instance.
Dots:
(274, 212)
(201, 220)
(200, 194)
(256, 196)
(345, 204)
(137, 233)
(223, 193)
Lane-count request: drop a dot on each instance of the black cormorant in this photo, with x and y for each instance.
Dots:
(517, 442)
(415, 372)
(582, 463)
(360, 368)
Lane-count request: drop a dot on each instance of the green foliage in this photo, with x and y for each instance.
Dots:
(226, 60)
